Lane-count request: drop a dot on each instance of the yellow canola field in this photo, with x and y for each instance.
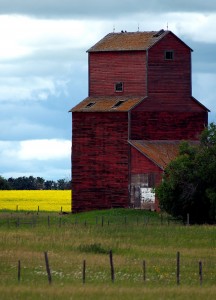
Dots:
(45, 200)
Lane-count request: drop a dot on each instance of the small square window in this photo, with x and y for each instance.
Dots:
(119, 86)
(169, 55)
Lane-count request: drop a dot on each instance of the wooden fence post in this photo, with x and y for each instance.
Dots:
(19, 270)
(178, 268)
(48, 268)
(200, 272)
(84, 271)
(188, 219)
(112, 266)
(144, 270)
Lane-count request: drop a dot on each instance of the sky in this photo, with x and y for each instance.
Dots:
(44, 68)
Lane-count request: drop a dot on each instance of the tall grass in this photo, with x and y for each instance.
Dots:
(83, 236)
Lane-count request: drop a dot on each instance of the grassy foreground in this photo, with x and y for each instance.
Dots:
(133, 236)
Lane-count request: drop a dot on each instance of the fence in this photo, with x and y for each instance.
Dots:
(116, 276)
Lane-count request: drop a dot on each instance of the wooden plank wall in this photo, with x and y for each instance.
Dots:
(99, 161)
(167, 125)
(169, 76)
(107, 68)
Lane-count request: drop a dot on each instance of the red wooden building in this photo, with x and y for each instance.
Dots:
(140, 106)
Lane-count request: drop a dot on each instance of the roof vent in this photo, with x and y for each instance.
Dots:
(158, 33)
(118, 103)
(90, 104)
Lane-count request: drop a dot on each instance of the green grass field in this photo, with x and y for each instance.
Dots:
(132, 235)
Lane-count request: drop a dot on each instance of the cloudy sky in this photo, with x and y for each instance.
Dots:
(43, 68)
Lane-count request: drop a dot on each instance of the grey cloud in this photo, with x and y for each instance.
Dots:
(62, 64)
(204, 59)
(100, 9)
(49, 119)
(50, 170)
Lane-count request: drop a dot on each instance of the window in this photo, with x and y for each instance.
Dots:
(118, 104)
(90, 104)
(119, 86)
(169, 55)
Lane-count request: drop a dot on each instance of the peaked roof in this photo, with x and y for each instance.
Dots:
(107, 103)
(126, 41)
(159, 152)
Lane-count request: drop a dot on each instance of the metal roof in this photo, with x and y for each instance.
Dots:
(107, 104)
(127, 41)
(160, 152)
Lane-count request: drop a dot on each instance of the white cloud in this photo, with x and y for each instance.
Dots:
(198, 27)
(44, 149)
(21, 36)
(49, 159)
(31, 88)
(38, 56)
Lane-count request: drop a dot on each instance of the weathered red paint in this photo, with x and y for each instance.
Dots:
(102, 159)
(169, 76)
(107, 68)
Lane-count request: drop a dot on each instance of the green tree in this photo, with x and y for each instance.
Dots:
(4, 185)
(189, 181)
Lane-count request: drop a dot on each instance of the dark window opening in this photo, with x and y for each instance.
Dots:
(119, 87)
(169, 55)
(118, 104)
(90, 104)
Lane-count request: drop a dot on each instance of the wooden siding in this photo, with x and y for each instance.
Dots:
(170, 103)
(107, 68)
(99, 161)
(103, 162)
(140, 164)
(169, 76)
(167, 125)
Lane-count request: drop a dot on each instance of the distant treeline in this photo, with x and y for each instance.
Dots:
(33, 183)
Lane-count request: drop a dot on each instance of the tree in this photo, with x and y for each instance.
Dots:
(189, 181)
(32, 183)
(4, 185)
